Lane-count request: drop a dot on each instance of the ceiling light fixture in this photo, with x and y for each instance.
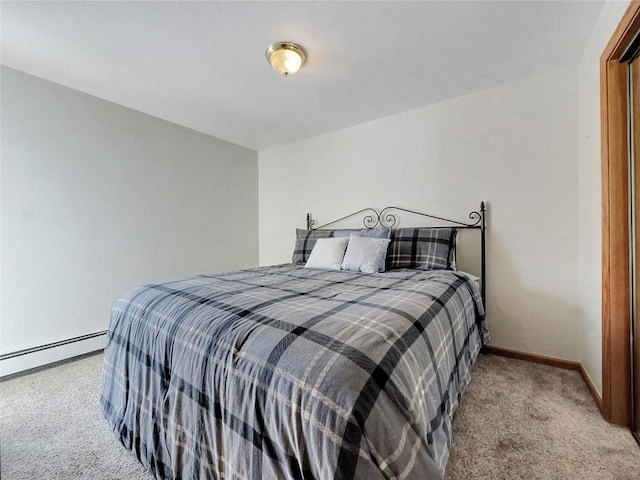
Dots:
(286, 58)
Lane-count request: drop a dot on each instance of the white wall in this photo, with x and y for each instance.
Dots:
(513, 146)
(98, 199)
(591, 192)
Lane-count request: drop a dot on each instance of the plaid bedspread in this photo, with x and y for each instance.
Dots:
(288, 373)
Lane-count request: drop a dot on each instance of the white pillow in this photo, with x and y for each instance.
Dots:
(327, 253)
(365, 254)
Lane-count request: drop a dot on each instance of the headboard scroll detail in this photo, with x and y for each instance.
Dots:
(370, 218)
(389, 217)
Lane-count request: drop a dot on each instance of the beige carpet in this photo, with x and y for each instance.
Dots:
(516, 421)
(520, 420)
(51, 428)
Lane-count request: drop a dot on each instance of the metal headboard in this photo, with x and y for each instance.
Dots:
(386, 217)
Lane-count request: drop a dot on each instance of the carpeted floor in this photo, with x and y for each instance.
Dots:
(517, 420)
(520, 420)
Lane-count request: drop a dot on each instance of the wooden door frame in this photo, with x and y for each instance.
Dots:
(616, 288)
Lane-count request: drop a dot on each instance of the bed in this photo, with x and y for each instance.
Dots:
(290, 372)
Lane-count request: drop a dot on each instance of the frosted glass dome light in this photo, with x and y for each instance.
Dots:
(286, 58)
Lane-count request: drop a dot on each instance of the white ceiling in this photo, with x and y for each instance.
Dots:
(202, 65)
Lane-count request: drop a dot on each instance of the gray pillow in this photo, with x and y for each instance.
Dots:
(365, 254)
(376, 232)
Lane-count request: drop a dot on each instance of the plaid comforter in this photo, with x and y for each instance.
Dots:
(288, 373)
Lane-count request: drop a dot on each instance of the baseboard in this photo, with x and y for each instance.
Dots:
(44, 355)
(551, 361)
(532, 357)
(40, 368)
(592, 388)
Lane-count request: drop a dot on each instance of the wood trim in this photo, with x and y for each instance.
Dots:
(592, 388)
(550, 361)
(624, 33)
(616, 322)
(616, 313)
(532, 357)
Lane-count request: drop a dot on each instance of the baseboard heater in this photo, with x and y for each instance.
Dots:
(26, 351)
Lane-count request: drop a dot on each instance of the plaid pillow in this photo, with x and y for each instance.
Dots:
(305, 241)
(422, 248)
